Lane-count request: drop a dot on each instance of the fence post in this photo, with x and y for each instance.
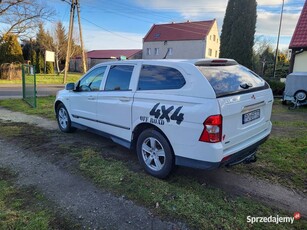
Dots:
(23, 82)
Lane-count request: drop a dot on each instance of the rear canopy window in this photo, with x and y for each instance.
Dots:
(226, 80)
(160, 77)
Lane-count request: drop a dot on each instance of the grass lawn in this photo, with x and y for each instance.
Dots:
(44, 106)
(18, 209)
(283, 157)
(48, 79)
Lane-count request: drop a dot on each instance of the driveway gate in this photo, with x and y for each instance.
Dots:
(29, 85)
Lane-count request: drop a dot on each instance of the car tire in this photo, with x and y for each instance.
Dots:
(300, 95)
(63, 119)
(155, 153)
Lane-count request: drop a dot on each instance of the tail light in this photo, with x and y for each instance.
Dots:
(212, 132)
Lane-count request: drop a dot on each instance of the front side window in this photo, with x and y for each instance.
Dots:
(119, 77)
(92, 81)
(159, 78)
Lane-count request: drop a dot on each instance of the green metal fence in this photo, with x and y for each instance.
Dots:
(29, 85)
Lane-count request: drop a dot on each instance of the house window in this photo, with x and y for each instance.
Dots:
(217, 40)
(170, 51)
(148, 51)
(209, 52)
(210, 37)
(156, 51)
(213, 37)
(216, 53)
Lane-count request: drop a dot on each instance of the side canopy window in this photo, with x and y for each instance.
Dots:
(119, 77)
(92, 81)
(160, 77)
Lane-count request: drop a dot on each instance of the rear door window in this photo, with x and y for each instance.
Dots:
(160, 77)
(233, 79)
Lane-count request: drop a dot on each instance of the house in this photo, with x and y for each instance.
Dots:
(186, 40)
(97, 56)
(298, 44)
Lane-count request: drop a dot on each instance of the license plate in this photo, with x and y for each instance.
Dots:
(250, 116)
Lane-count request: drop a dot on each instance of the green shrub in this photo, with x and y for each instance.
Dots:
(276, 86)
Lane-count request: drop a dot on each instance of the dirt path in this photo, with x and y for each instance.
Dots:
(72, 192)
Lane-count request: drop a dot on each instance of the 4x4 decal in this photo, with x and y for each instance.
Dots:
(164, 113)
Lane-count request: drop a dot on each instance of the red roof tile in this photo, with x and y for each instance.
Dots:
(179, 31)
(299, 38)
(107, 54)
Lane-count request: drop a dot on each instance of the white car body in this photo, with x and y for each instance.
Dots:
(178, 114)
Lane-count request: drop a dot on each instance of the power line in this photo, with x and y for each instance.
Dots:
(108, 30)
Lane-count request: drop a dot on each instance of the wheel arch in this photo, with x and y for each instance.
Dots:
(143, 126)
(56, 104)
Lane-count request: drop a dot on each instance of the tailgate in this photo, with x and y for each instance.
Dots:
(245, 116)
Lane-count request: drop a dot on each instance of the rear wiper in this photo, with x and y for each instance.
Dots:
(246, 85)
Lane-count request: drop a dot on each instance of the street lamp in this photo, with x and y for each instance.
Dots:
(276, 52)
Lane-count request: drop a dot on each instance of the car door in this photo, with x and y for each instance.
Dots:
(83, 101)
(114, 103)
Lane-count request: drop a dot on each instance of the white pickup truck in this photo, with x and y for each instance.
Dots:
(197, 113)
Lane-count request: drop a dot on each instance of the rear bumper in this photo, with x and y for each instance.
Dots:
(244, 154)
(233, 159)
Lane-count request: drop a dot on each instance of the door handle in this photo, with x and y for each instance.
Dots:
(124, 99)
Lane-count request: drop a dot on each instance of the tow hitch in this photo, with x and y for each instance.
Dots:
(251, 159)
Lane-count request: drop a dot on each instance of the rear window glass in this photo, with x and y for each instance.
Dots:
(159, 78)
(232, 79)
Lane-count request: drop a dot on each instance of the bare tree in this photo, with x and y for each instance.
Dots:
(22, 16)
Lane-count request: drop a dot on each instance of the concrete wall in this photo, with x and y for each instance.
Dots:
(300, 63)
(180, 49)
(213, 43)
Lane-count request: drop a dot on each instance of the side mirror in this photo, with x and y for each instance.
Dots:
(70, 86)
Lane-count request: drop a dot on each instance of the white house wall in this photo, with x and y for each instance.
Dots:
(180, 49)
(300, 63)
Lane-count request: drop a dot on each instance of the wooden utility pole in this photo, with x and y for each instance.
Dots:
(276, 51)
(70, 30)
(81, 39)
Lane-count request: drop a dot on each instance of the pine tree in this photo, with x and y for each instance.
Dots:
(44, 42)
(237, 38)
(10, 49)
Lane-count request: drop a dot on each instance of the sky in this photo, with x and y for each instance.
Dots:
(119, 24)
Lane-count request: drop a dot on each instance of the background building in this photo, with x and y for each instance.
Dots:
(182, 40)
(298, 44)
